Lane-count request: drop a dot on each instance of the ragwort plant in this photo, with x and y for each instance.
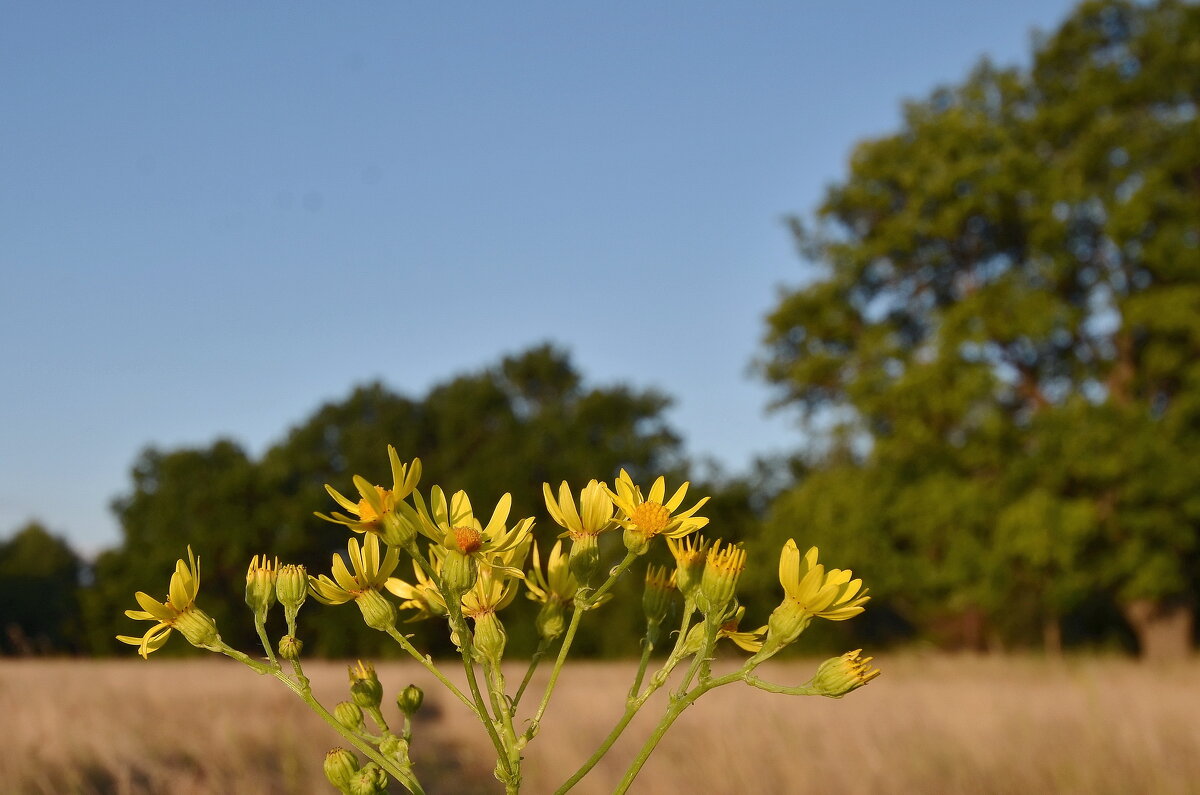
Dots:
(465, 571)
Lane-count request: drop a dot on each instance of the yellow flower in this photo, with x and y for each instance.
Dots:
(452, 524)
(691, 554)
(595, 509)
(840, 675)
(827, 594)
(649, 516)
(422, 595)
(492, 592)
(370, 572)
(177, 612)
(380, 510)
(749, 641)
(557, 584)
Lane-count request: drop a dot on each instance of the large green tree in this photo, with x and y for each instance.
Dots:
(39, 593)
(1001, 346)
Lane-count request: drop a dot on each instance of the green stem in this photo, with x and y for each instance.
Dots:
(771, 687)
(534, 661)
(647, 647)
(398, 636)
(674, 710)
(700, 661)
(261, 627)
(583, 602)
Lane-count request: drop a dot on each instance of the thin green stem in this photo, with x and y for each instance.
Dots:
(674, 710)
(398, 636)
(647, 648)
(771, 687)
(700, 661)
(534, 661)
(583, 602)
(261, 628)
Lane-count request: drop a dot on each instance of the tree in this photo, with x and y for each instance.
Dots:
(39, 585)
(1002, 347)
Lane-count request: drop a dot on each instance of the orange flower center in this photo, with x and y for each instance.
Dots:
(650, 517)
(366, 513)
(467, 539)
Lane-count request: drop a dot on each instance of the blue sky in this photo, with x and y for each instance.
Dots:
(215, 217)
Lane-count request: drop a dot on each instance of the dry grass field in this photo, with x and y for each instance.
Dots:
(928, 725)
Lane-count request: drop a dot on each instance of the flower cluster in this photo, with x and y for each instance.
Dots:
(468, 568)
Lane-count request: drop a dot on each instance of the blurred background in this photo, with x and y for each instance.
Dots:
(917, 284)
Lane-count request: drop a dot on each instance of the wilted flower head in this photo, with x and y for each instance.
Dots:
(177, 612)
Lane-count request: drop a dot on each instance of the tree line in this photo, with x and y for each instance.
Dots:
(996, 365)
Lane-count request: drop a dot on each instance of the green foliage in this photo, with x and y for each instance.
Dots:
(1002, 350)
(39, 584)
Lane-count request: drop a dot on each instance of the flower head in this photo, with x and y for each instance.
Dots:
(594, 515)
(813, 590)
(452, 524)
(177, 612)
(748, 641)
(370, 572)
(422, 595)
(557, 584)
(379, 510)
(652, 515)
(691, 554)
(839, 675)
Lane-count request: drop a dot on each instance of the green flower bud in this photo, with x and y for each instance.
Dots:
(377, 611)
(490, 637)
(396, 530)
(585, 558)
(459, 573)
(349, 715)
(658, 595)
(551, 620)
(291, 586)
(198, 628)
(839, 675)
(290, 647)
(409, 700)
(722, 569)
(365, 688)
(371, 780)
(340, 767)
(260, 585)
(394, 746)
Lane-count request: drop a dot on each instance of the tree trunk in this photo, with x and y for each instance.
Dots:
(1164, 631)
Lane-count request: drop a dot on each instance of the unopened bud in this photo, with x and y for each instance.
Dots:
(394, 746)
(722, 569)
(785, 625)
(260, 585)
(349, 715)
(365, 688)
(371, 780)
(290, 647)
(410, 699)
(291, 586)
(340, 768)
(658, 595)
(636, 540)
(838, 676)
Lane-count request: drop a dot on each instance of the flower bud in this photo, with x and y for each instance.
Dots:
(551, 620)
(290, 647)
(198, 628)
(722, 569)
(394, 746)
(585, 558)
(365, 688)
(291, 586)
(260, 586)
(690, 555)
(340, 767)
(839, 675)
(785, 625)
(371, 780)
(459, 573)
(490, 637)
(396, 531)
(349, 715)
(659, 593)
(409, 700)
(377, 611)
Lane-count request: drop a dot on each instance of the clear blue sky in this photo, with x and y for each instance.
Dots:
(214, 217)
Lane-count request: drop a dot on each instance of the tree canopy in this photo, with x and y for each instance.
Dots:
(1001, 345)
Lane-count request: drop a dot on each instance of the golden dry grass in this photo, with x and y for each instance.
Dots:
(929, 725)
